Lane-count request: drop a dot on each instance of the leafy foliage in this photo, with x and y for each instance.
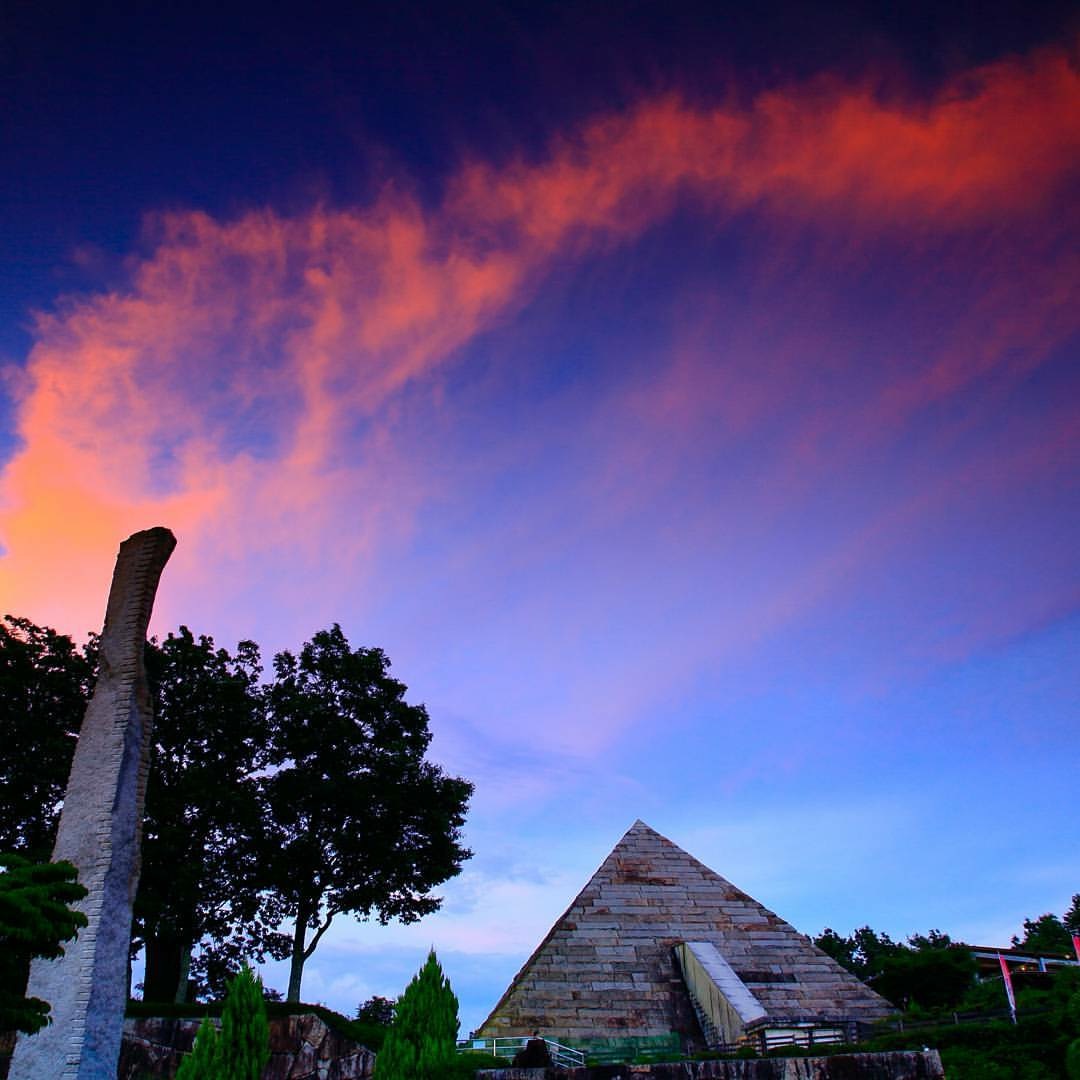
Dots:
(44, 687)
(206, 823)
(1036, 1048)
(1071, 919)
(841, 949)
(34, 920)
(932, 977)
(420, 1044)
(376, 1010)
(300, 801)
(929, 970)
(364, 824)
(1046, 934)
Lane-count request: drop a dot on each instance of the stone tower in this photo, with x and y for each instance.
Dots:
(100, 832)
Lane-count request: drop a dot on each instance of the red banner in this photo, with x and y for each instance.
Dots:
(1008, 984)
(1076, 945)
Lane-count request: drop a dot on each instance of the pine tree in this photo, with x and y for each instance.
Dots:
(1071, 918)
(244, 1047)
(201, 1063)
(420, 1044)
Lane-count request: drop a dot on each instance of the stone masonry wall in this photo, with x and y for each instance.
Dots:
(894, 1065)
(301, 1048)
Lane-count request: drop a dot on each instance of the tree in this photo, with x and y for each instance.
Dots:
(421, 1042)
(45, 682)
(365, 824)
(244, 1046)
(242, 1049)
(205, 818)
(200, 1063)
(931, 977)
(1071, 918)
(841, 949)
(1046, 934)
(929, 970)
(35, 918)
(376, 1010)
(862, 953)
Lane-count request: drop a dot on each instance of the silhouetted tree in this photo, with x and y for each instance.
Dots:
(376, 1010)
(205, 817)
(364, 824)
(1046, 934)
(45, 680)
(1071, 918)
(929, 969)
(841, 949)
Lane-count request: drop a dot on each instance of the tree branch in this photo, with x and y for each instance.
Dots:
(319, 933)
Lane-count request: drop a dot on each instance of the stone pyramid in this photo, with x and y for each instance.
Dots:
(606, 969)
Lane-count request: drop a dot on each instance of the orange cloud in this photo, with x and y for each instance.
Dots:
(241, 388)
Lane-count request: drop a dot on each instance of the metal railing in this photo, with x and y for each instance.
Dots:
(508, 1046)
(807, 1037)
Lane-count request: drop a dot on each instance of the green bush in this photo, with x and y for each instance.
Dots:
(201, 1063)
(35, 918)
(470, 1061)
(1072, 1060)
(420, 1044)
(242, 1049)
(244, 1045)
(1034, 1049)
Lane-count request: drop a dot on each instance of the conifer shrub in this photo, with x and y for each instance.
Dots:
(202, 1061)
(242, 1049)
(421, 1042)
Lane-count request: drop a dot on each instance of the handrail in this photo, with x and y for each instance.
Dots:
(508, 1045)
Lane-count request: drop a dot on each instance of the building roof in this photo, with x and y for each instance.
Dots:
(606, 968)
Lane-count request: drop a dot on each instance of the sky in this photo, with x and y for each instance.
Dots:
(684, 396)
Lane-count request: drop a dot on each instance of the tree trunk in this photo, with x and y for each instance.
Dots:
(185, 972)
(296, 967)
(163, 958)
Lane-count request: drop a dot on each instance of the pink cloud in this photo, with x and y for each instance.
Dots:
(244, 387)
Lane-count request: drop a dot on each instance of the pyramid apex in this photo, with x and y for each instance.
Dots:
(641, 829)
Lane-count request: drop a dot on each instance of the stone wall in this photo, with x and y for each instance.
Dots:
(894, 1065)
(301, 1048)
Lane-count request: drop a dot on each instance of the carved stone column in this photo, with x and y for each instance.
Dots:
(101, 832)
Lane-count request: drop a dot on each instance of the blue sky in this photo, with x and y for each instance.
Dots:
(688, 406)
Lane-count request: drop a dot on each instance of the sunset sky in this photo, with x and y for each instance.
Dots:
(686, 397)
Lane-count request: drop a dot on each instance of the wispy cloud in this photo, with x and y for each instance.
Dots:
(267, 385)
